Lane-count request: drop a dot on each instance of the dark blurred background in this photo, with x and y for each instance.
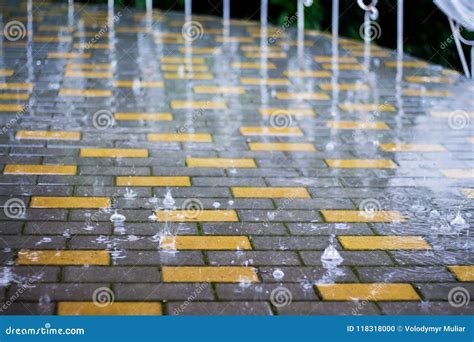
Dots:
(427, 32)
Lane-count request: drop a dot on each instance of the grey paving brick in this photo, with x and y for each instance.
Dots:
(219, 308)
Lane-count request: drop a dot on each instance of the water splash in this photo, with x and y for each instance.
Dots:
(129, 194)
(116, 217)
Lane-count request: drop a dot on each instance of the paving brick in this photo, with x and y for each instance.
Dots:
(219, 308)
(220, 274)
(58, 257)
(253, 258)
(329, 308)
(115, 308)
(164, 291)
(371, 291)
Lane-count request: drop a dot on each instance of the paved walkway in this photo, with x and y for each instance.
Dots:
(253, 181)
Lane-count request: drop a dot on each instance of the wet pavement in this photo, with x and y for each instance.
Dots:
(152, 165)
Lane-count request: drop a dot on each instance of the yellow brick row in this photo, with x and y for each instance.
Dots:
(221, 274)
(205, 243)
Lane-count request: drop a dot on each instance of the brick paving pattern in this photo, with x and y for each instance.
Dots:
(253, 180)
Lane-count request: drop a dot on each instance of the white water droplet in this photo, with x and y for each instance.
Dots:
(116, 217)
(169, 201)
(278, 274)
(458, 220)
(331, 257)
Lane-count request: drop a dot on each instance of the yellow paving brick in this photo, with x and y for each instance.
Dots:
(140, 84)
(201, 50)
(198, 105)
(182, 60)
(205, 243)
(217, 274)
(368, 292)
(55, 28)
(269, 192)
(406, 64)
(382, 242)
(193, 215)
(153, 181)
(258, 48)
(463, 273)
(61, 257)
(180, 137)
(114, 308)
(362, 216)
(84, 34)
(234, 39)
(445, 114)
(287, 111)
(302, 96)
(353, 107)
(284, 147)
(361, 163)
(21, 169)
(428, 79)
(221, 162)
(14, 96)
(114, 152)
(283, 42)
(6, 72)
(11, 107)
(329, 59)
(69, 202)
(143, 116)
(83, 46)
(252, 65)
(275, 131)
(343, 86)
(361, 53)
(458, 173)
(88, 74)
(218, 90)
(328, 66)
(424, 92)
(183, 67)
(307, 73)
(48, 135)
(68, 55)
(469, 193)
(356, 125)
(85, 92)
(188, 76)
(52, 39)
(264, 81)
(412, 148)
(269, 54)
(16, 86)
